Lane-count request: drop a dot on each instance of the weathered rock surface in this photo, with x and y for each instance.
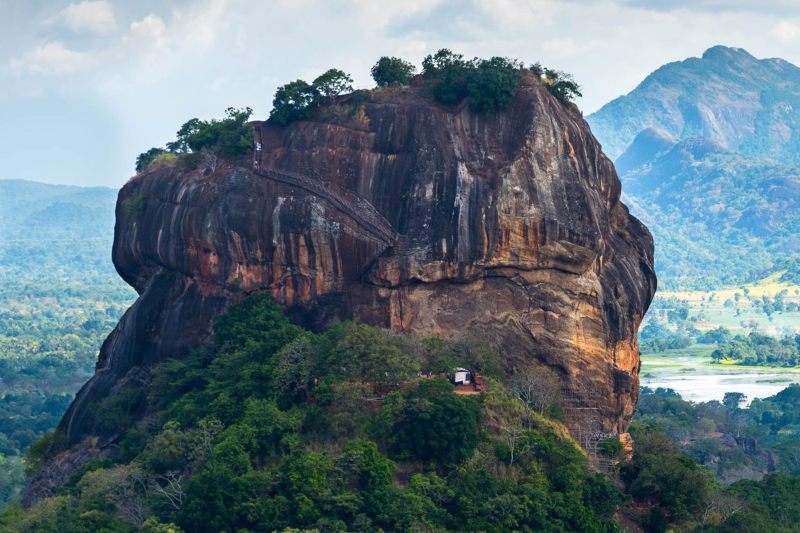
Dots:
(406, 215)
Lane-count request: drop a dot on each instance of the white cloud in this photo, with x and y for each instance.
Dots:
(568, 47)
(151, 28)
(786, 31)
(201, 23)
(53, 59)
(713, 6)
(137, 60)
(90, 16)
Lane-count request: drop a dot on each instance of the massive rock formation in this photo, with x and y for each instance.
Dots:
(408, 215)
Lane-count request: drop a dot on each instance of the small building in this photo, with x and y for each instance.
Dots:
(467, 382)
(462, 376)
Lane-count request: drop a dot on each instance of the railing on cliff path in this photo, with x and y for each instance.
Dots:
(349, 203)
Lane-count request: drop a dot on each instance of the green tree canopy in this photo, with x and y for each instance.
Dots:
(296, 100)
(145, 158)
(733, 400)
(489, 84)
(560, 84)
(333, 82)
(229, 136)
(437, 425)
(299, 99)
(389, 70)
(493, 84)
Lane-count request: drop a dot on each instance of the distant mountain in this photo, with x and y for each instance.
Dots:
(28, 208)
(717, 217)
(59, 298)
(648, 144)
(708, 151)
(747, 105)
(57, 228)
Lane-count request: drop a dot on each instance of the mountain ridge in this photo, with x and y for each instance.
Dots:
(725, 95)
(708, 151)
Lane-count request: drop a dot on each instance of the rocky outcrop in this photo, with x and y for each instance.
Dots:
(407, 215)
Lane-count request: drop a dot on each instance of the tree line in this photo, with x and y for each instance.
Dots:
(488, 85)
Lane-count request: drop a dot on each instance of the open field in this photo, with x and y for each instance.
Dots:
(740, 309)
(769, 286)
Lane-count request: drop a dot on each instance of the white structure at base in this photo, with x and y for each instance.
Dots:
(462, 376)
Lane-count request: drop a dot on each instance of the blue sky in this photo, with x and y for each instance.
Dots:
(87, 85)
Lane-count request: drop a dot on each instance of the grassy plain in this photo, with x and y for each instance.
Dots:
(740, 308)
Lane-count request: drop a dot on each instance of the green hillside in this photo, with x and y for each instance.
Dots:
(743, 104)
(273, 427)
(59, 298)
(707, 151)
(718, 218)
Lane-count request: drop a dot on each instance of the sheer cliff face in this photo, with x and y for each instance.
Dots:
(405, 215)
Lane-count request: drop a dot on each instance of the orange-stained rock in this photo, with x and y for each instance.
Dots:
(627, 446)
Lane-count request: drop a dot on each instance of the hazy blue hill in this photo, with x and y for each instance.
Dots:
(29, 208)
(647, 145)
(59, 297)
(717, 217)
(744, 104)
(708, 150)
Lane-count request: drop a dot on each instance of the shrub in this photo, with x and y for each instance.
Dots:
(294, 101)
(389, 70)
(144, 159)
(44, 448)
(134, 204)
(229, 136)
(490, 84)
(610, 447)
(450, 72)
(164, 160)
(493, 84)
(560, 84)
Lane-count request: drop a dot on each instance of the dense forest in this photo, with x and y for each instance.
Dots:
(59, 298)
(756, 349)
(731, 441)
(718, 219)
(272, 427)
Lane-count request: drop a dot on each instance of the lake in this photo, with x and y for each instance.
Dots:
(690, 373)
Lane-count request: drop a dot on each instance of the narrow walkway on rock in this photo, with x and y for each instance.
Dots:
(352, 205)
